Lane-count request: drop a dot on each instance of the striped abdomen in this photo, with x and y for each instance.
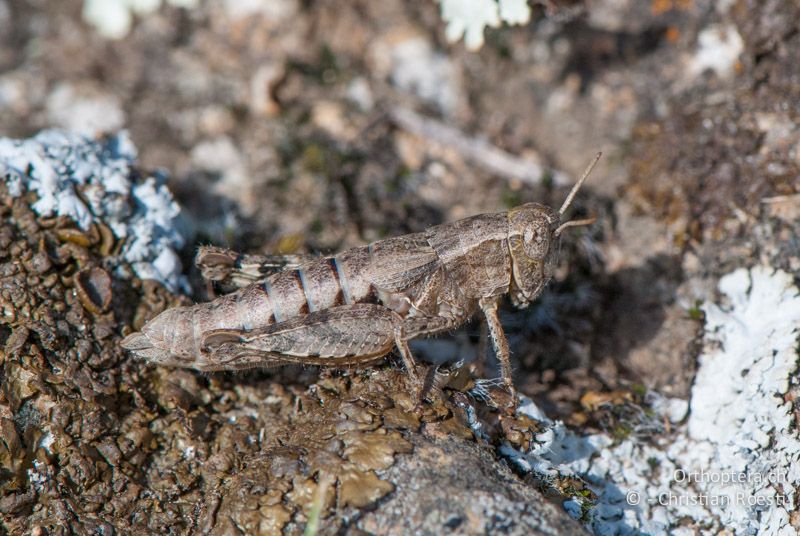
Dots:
(378, 272)
(317, 285)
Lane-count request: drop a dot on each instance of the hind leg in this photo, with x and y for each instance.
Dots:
(345, 335)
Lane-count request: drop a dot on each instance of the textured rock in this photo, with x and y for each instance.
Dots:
(450, 486)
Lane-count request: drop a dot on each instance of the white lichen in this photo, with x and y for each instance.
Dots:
(735, 463)
(430, 75)
(515, 11)
(47, 441)
(718, 49)
(469, 18)
(113, 18)
(38, 476)
(90, 181)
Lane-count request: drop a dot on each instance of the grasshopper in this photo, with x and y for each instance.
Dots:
(354, 307)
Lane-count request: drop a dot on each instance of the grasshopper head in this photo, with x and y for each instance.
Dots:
(534, 231)
(534, 250)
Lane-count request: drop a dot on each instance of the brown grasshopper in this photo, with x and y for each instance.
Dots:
(354, 307)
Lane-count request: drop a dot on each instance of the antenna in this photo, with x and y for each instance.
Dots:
(577, 187)
(574, 223)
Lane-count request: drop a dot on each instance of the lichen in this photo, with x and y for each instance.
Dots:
(718, 50)
(113, 18)
(734, 463)
(94, 183)
(469, 18)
